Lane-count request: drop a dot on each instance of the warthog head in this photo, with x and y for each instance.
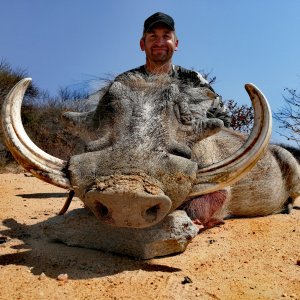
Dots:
(142, 166)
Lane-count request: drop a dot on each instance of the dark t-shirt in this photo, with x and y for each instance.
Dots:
(186, 76)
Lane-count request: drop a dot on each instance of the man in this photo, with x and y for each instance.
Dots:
(159, 42)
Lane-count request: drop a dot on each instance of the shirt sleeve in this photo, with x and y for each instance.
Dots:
(202, 79)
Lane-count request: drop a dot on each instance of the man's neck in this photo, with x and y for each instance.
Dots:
(158, 68)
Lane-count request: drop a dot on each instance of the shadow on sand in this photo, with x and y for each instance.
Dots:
(27, 245)
(43, 195)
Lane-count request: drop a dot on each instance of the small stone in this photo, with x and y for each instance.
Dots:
(62, 277)
(212, 241)
(3, 239)
(186, 280)
(298, 262)
(79, 228)
(42, 276)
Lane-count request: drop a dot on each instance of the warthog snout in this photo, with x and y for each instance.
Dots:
(131, 205)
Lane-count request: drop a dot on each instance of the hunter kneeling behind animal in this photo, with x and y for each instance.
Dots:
(159, 42)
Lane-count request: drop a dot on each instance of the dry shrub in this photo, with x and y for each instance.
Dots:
(42, 118)
(49, 131)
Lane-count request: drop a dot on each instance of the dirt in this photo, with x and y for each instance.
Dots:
(256, 258)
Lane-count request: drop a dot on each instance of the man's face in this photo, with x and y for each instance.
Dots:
(159, 44)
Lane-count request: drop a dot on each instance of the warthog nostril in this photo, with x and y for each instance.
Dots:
(101, 210)
(127, 208)
(151, 213)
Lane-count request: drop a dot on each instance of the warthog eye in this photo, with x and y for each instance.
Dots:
(180, 150)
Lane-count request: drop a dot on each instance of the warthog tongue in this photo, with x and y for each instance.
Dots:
(128, 201)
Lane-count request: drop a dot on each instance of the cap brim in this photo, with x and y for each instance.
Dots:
(156, 22)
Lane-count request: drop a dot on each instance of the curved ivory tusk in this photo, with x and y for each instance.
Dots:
(32, 158)
(233, 168)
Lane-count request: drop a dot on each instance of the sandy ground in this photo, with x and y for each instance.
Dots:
(255, 258)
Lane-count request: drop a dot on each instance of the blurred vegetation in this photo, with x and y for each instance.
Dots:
(42, 117)
(289, 116)
(9, 77)
(242, 116)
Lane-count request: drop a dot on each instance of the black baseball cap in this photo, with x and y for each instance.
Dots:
(159, 17)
